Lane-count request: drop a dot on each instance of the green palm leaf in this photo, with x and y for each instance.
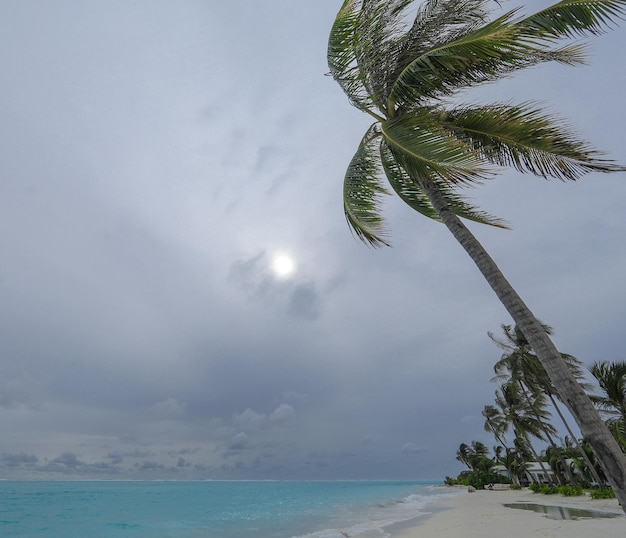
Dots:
(380, 24)
(440, 21)
(342, 57)
(526, 138)
(413, 196)
(362, 190)
(488, 53)
(425, 150)
(571, 18)
(436, 23)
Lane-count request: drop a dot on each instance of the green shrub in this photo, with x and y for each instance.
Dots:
(602, 493)
(571, 491)
(476, 479)
(546, 489)
(568, 491)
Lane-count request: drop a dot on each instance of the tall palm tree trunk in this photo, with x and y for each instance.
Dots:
(608, 452)
(590, 466)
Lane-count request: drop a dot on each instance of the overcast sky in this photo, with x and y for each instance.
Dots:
(155, 158)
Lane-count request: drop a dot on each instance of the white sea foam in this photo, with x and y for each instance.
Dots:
(372, 524)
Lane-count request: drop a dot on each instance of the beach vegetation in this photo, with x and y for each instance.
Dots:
(571, 491)
(407, 71)
(480, 467)
(567, 491)
(477, 479)
(606, 493)
(545, 489)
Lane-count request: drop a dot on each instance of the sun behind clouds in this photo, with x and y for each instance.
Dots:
(283, 266)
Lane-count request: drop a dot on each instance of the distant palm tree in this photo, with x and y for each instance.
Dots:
(519, 365)
(404, 73)
(474, 456)
(611, 377)
(523, 415)
(514, 462)
(495, 422)
(463, 455)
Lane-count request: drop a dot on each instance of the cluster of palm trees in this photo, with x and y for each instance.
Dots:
(522, 411)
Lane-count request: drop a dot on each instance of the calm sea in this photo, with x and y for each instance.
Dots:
(210, 509)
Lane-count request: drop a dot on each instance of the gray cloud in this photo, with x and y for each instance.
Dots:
(17, 460)
(146, 187)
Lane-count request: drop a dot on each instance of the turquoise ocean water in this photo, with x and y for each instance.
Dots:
(211, 509)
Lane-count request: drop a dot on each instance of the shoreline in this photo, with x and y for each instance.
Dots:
(483, 513)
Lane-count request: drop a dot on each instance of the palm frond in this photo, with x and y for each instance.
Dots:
(441, 21)
(426, 151)
(362, 190)
(342, 58)
(436, 22)
(380, 26)
(414, 197)
(573, 18)
(361, 49)
(526, 138)
(486, 54)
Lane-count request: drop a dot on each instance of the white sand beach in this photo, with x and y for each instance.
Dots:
(483, 514)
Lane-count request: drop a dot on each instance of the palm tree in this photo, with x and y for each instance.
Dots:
(519, 365)
(520, 362)
(474, 456)
(495, 422)
(463, 455)
(526, 418)
(404, 74)
(611, 377)
(513, 461)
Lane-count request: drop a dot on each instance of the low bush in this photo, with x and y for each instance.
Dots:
(602, 493)
(544, 488)
(476, 479)
(571, 491)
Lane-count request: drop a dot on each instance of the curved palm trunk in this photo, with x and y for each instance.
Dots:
(590, 466)
(606, 448)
